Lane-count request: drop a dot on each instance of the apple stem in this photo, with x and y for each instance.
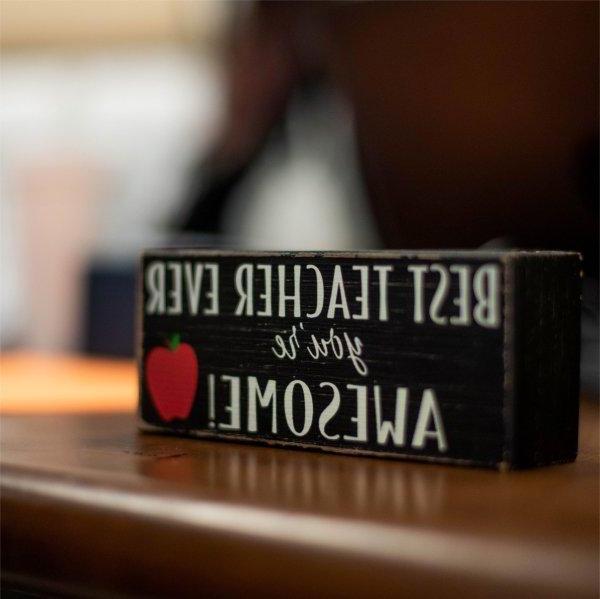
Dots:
(174, 341)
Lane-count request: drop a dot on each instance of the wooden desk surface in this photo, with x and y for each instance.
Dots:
(91, 506)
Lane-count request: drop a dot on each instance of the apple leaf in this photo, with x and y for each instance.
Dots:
(174, 341)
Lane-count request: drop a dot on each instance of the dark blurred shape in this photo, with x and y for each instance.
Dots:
(470, 117)
(273, 55)
(208, 200)
(474, 120)
(109, 314)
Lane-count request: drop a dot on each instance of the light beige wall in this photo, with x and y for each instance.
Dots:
(89, 23)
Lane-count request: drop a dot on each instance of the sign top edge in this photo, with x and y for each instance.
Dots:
(426, 254)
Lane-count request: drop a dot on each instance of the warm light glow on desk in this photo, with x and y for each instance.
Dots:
(43, 383)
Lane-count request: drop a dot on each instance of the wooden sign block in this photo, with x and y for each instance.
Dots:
(445, 356)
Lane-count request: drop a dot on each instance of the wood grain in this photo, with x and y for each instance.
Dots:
(91, 506)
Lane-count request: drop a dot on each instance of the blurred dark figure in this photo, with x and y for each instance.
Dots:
(474, 121)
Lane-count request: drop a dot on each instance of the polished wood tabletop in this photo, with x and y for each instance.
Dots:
(92, 506)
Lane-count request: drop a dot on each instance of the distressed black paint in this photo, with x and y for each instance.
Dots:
(508, 395)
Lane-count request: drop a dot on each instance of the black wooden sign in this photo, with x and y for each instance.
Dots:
(463, 357)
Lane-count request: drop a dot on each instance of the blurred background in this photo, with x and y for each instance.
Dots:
(283, 125)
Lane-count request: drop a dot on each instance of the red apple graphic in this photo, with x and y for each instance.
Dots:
(172, 378)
